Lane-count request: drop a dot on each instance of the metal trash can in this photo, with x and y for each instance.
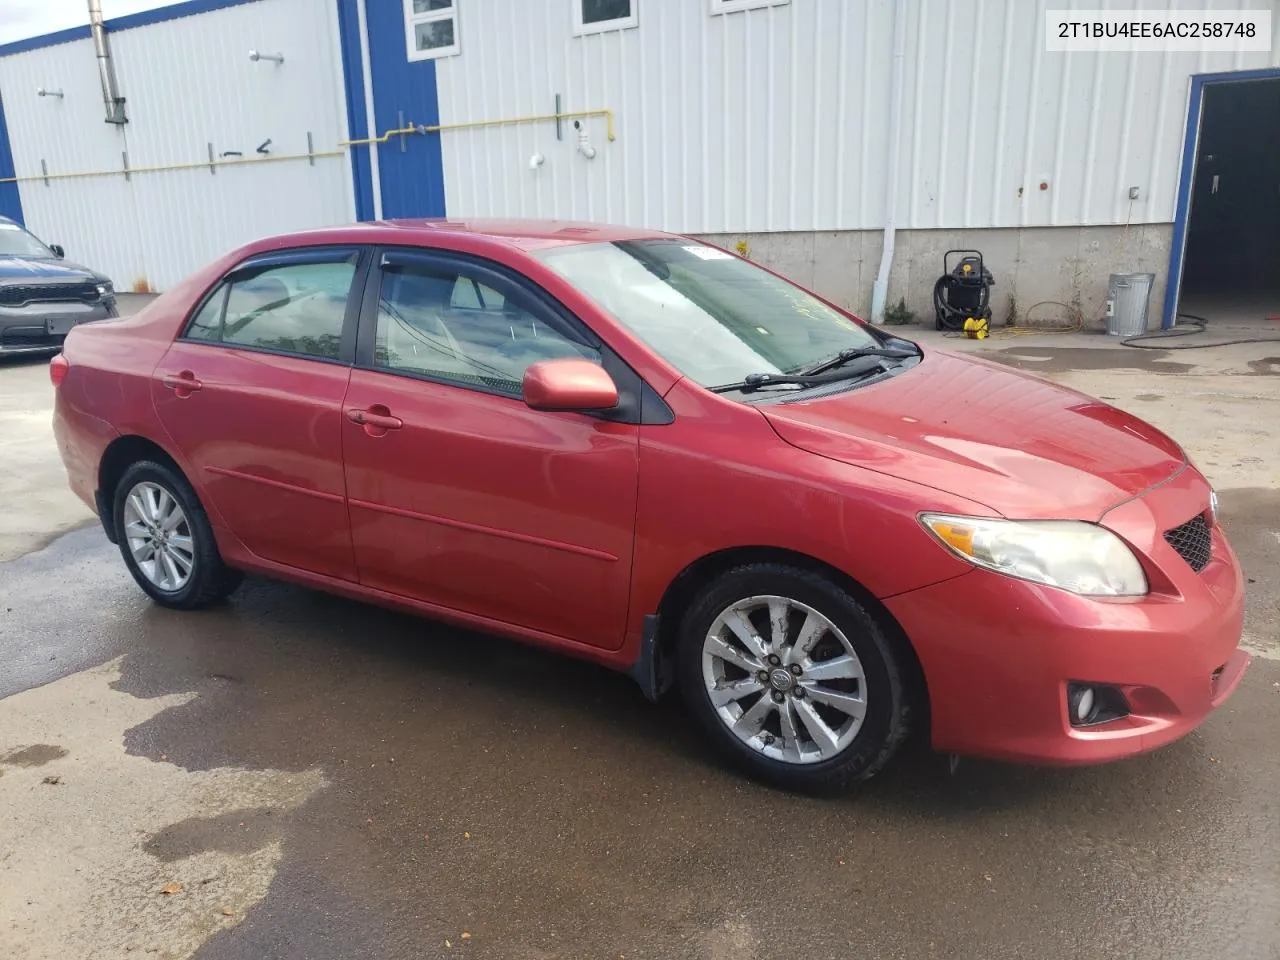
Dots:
(1128, 298)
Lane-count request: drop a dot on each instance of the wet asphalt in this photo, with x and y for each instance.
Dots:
(543, 807)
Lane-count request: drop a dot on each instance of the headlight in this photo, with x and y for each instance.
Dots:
(104, 289)
(1081, 557)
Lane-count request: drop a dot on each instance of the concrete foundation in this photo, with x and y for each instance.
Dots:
(1044, 275)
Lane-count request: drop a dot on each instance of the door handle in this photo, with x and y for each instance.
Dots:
(183, 384)
(375, 418)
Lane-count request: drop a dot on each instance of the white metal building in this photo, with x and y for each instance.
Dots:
(766, 123)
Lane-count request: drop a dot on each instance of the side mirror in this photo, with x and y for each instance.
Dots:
(57, 250)
(569, 384)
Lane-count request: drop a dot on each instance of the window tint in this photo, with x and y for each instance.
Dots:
(298, 308)
(446, 325)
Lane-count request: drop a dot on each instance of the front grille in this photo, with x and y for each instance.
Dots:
(1193, 541)
(20, 294)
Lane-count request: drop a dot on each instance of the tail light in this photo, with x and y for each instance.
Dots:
(58, 368)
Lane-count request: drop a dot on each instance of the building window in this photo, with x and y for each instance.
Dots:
(431, 28)
(597, 16)
(733, 6)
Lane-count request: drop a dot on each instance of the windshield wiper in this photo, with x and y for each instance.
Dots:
(856, 353)
(759, 381)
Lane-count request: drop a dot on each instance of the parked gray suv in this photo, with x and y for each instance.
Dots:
(42, 295)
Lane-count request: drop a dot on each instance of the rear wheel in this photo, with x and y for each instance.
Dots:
(792, 677)
(166, 540)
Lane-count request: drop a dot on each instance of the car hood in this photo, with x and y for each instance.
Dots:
(1024, 447)
(36, 270)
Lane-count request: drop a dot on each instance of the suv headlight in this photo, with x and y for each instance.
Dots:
(1081, 557)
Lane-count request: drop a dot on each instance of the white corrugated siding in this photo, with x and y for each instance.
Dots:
(188, 82)
(776, 118)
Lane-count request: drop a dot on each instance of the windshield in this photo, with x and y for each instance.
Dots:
(16, 242)
(713, 316)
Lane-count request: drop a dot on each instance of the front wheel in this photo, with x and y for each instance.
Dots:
(166, 540)
(792, 678)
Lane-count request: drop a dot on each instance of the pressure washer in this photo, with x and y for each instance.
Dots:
(962, 295)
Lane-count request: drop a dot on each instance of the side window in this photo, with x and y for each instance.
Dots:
(294, 308)
(207, 323)
(470, 294)
(446, 325)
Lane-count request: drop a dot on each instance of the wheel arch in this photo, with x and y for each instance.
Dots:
(685, 586)
(120, 454)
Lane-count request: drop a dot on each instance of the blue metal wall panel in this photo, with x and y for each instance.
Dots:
(10, 201)
(410, 168)
(357, 117)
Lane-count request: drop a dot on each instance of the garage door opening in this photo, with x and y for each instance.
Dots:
(1231, 268)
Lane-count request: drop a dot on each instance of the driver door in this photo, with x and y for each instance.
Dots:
(462, 496)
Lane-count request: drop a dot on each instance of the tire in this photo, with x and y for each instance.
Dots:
(190, 545)
(854, 659)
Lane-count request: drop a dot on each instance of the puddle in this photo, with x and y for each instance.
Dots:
(36, 756)
(1066, 359)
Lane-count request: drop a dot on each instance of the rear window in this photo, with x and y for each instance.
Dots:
(295, 308)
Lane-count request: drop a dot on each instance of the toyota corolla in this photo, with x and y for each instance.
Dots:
(648, 452)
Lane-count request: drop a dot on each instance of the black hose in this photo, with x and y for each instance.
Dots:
(1195, 325)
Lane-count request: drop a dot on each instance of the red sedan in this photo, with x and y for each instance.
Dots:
(645, 451)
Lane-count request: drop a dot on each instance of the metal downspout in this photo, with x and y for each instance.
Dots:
(880, 290)
(375, 174)
(106, 69)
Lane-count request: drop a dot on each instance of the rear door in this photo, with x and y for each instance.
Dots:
(251, 394)
(460, 494)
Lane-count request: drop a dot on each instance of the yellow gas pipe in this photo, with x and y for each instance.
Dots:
(403, 131)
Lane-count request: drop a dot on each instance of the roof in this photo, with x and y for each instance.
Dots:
(173, 11)
(523, 235)
(530, 234)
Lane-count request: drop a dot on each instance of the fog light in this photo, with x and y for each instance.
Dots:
(1080, 702)
(1093, 703)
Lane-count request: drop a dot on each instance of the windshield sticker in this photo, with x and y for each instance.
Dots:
(709, 253)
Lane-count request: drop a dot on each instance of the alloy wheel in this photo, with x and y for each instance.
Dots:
(159, 536)
(784, 679)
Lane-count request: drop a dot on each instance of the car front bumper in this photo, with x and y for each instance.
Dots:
(998, 653)
(41, 327)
